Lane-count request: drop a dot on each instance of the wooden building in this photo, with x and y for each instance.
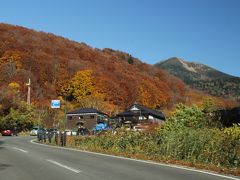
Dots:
(138, 114)
(87, 117)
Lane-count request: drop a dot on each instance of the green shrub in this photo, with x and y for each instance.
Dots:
(183, 137)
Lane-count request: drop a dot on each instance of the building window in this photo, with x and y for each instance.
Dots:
(70, 117)
(98, 118)
(91, 117)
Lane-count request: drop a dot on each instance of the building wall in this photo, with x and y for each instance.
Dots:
(155, 120)
(142, 120)
(88, 120)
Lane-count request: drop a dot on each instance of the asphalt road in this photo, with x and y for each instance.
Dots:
(22, 160)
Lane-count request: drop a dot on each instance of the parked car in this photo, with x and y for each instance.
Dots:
(7, 132)
(34, 131)
(41, 131)
(53, 131)
(100, 127)
(84, 132)
(70, 132)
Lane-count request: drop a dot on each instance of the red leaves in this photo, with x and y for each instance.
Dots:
(54, 60)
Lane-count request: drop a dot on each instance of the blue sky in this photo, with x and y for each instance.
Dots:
(205, 31)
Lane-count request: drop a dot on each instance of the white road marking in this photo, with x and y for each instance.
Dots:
(143, 161)
(64, 166)
(20, 149)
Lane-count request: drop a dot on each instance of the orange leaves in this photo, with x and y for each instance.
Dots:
(58, 66)
(153, 93)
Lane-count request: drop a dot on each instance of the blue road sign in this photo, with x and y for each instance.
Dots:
(55, 104)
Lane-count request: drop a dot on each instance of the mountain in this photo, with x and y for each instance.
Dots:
(203, 77)
(52, 62)
(59, 68)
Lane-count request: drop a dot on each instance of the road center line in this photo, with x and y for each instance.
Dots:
(63, 166)
(20, 150)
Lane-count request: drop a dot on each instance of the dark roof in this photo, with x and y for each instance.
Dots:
(228, 117)
(86, 110)
(143, 111)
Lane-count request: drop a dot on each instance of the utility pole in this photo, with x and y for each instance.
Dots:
(29, 92)
(65, 112)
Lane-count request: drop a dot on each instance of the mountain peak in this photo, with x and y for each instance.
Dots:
(196, 69)
(202, 77)
(187, 66)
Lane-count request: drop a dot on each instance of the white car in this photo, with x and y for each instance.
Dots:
(34, 131)
(70, 132)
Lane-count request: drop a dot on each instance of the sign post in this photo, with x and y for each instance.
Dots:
(55, 104)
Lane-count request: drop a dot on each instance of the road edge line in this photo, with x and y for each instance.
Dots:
(142, 161)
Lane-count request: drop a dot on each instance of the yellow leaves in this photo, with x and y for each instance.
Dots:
(82, 84)
(66, 88)
(13, 88)
(233, 131)
(83, 88)
(12, 57)
(14, 85)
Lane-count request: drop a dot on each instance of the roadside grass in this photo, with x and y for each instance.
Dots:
(24, 133)
(192, 136)
(208, 149)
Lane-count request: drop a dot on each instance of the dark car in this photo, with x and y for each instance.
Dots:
(53, 131)
(83, 131)
(41, 131)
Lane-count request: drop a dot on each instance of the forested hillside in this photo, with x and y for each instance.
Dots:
(203, 78)
(60, 68)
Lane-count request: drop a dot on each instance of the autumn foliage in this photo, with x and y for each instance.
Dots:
(109, 79)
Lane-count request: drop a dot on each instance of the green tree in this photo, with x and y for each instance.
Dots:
(195, 116)
(187, 116)
(130, 60)
(22, 118)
